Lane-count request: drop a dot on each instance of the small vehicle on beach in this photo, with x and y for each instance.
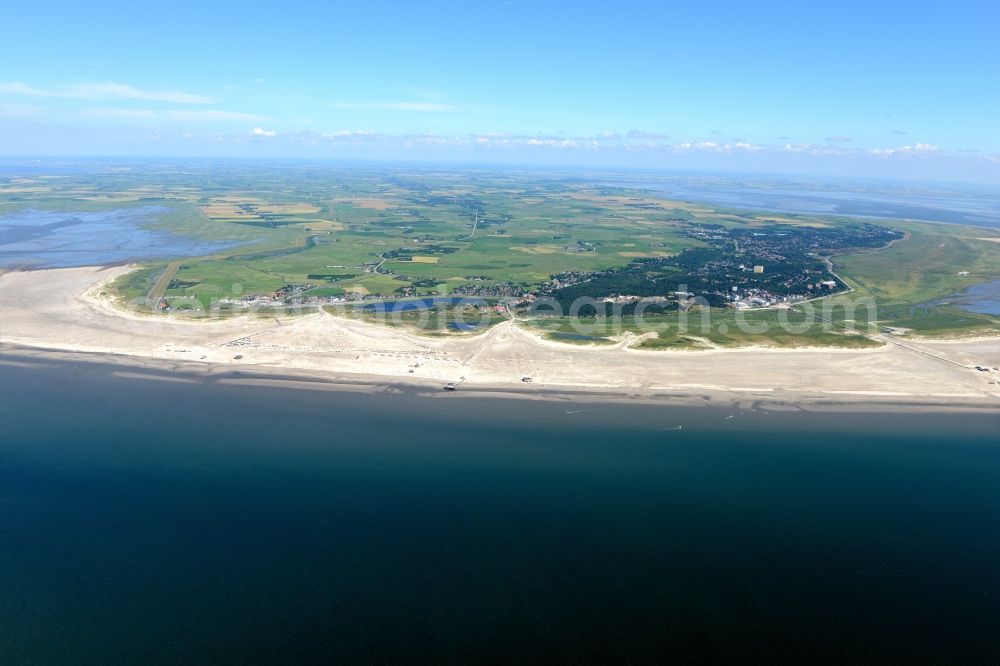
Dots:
(450, 386)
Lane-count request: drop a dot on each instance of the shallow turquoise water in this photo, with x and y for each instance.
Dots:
(152, 521)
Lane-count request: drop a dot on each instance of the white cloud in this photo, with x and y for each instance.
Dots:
(916, 149)
(715, 147)
(172, 115)
(213, 115)
(710, 146)
(257, 131)
(351, 134)
(608, 143)
(106, 91)
(413, 140)
(643, 134)
(17, 88)
(828, 149)
(634, 141)
(548, 142)
(20, 111)
(418, 107)
(111, 113)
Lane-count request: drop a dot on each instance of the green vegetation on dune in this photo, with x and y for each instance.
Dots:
(710, 328)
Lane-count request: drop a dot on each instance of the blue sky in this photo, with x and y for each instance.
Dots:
(868, 88)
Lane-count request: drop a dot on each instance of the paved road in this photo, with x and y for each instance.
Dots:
(160, 288)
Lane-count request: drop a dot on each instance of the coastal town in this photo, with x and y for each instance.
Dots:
(742, 268)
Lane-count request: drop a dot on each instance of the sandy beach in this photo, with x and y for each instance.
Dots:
(60, 312)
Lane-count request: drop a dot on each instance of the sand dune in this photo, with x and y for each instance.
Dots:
(61, 309)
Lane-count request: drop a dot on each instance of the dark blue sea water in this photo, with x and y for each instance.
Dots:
(35, 238)
(151, 521)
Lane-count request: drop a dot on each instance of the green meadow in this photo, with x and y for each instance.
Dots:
(322, 231)
(908, 279)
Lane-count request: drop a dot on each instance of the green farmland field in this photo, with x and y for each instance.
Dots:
(323, 231)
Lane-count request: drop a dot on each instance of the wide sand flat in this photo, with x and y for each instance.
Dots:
(60, 309)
